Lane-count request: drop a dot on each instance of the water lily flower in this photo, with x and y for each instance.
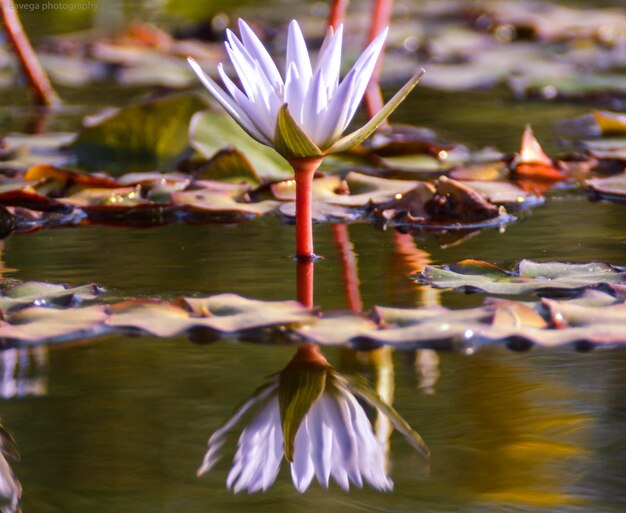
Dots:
(303, 115)
(309, 415)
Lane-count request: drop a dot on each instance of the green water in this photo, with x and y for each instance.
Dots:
(121, 424)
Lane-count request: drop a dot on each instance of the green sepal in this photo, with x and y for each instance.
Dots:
(290, 140)
(297, 392)
(358, 387)
(358, 136)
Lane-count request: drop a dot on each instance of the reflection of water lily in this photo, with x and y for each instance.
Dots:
(310, 415)
(10, 488)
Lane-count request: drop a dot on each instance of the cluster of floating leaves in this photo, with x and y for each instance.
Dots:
(536, 48)
(404, 178)
(583, 305)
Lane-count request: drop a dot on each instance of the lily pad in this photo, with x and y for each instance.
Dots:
(612, 188)
(549, 278)
(141, 137)
(231, 313)
(20, 294)
(39, 325)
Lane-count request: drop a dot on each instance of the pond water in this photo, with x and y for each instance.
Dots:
(121, 424)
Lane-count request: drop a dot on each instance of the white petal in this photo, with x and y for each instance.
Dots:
(253, 449)
(244, 67)
(372, 460)
(364, 67)
(243, 63)
(294, 93)
(343, 434)
(332, 122)
(274, 455)
(298, 53)
(259, 53)
(321, 442)
(271, 100)
(328, 37)
(229, 105)
(329, 61)
(263, 130)
(302, 466)
(314, 103)
(217, 439)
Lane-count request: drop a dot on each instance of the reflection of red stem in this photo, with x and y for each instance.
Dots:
(348, 267)
(44, 93)
(308, 355)
(305, 170)
(304, 283)
(337, 12)
(380, 19)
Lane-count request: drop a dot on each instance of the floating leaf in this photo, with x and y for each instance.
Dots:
(613, 187)
(505, 193)
(232, 313)
(336, 329)
(323, 212)
(550, 278)
(157, 318)
(210, 132)
(356, 190)
(202, 201)
(20, 294)
(38, 325)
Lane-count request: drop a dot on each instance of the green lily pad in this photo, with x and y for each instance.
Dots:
(20, 294)
(210, 132)
(550, 278)
(141, 137)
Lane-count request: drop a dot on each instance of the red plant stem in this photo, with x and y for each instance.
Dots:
(348, 267)
(304, 283)
(309, 355)
(305, 171)
(337, 12)
(44, 93)
(381, 18)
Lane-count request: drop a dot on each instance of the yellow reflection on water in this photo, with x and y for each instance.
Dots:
(522, 436)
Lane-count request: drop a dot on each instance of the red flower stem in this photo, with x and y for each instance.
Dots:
(337, 12)
(381, 18)
(43, 90)
(304, 170)
(348, 267)
(304, 283)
